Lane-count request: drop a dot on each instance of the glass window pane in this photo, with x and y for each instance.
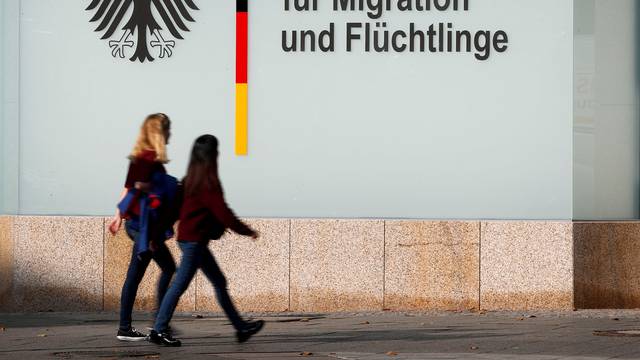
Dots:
(606, 161)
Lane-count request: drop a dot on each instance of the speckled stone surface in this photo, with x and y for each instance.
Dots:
(117, 255)
(58, 264)
(337, 265)
(432, 265)
(526, 265)
(607, 265)
(257, 272)
(6, 261)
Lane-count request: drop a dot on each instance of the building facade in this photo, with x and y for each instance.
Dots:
(426, 154)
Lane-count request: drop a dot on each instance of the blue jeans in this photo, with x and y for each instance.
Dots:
(137, 268)
(196, 255)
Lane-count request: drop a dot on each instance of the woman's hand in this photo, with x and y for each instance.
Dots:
(115, 224)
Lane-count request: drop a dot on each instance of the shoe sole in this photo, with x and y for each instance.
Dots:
(165, 345)
(173, 332)
(131, 339)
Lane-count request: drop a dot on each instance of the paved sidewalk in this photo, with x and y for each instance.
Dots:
(370, 336)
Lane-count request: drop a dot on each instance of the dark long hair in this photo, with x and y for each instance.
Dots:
(202, 173)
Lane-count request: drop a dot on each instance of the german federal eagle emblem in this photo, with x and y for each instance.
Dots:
(147, 24)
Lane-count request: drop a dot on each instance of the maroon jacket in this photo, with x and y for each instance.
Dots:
(206, 216)
(142, 167)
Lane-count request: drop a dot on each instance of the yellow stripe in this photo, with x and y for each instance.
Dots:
(242, 94)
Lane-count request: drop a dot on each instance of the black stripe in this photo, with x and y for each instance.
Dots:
(103, 7)
(242, 6)
(93, 5)
(116, 21)
(112, 11)
(167, 20)
(191, 4)
(174, 14)
(183, 10)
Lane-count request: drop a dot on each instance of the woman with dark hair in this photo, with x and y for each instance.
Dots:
(204, 216)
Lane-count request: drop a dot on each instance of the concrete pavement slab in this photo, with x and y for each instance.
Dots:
(369, 336)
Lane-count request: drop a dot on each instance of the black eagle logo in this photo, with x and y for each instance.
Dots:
(142, 21)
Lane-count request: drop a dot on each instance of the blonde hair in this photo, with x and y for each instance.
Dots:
(152, 137)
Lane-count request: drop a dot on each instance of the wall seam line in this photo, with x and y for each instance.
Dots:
(195, 291)
(384, 264)
(14, 263)
(480, 266)
(289, 289)
(104, 259)
(573, 266)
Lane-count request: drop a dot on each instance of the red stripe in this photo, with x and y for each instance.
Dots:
(242, 30)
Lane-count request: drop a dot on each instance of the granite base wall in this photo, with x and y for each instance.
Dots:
(312, 265)
(607, 265)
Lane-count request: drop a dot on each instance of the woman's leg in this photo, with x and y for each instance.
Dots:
(167, 265)
(137, 268)
(211, 269)
(191, 255)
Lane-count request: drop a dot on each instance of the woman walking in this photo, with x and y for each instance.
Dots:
(204, 216)
(148, 217)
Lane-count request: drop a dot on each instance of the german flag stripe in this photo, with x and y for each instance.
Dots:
(241, 47)
(242, 90)
(241, 6)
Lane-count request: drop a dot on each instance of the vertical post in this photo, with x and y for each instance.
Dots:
(242, 90)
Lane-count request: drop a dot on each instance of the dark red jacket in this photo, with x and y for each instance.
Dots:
(142, 167)
(205, 216)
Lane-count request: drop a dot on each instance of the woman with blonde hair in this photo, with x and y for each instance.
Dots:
(149, 217)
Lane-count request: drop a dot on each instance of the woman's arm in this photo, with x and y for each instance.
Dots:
(221, 211)
(116, 222)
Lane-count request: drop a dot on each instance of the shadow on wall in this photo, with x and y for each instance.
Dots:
(607, 265)
(52, 299)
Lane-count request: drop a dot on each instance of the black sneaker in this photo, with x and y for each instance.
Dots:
(163, 338)
(251, 328)
(130, 335)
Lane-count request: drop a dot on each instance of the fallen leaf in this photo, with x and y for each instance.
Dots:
(304, 320)
(482, 312)
(364, 323)
(520, 319)
(473, 347)
(306, 353)
(42, 335)
(392, 353)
